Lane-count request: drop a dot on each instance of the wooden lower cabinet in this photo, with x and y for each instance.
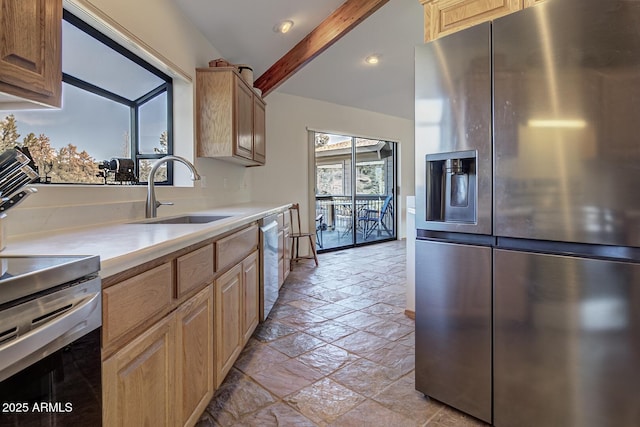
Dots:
(172, 332)
(228, 337)
(194, 357)
(138, 380)
(165, 376)
(251, 296)
(236, 312)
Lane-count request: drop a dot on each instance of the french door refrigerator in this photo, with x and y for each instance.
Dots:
(532, 306)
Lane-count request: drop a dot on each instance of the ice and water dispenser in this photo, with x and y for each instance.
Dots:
(451, 186)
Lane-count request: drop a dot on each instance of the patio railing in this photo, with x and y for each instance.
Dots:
(337, 213)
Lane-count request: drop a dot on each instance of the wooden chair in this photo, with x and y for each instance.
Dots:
(296, 234)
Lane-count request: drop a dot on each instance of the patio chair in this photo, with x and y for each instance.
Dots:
(370, 220)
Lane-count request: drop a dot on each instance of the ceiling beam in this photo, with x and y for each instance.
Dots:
(339, 23)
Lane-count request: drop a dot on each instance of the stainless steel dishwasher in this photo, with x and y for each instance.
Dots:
(268, 264)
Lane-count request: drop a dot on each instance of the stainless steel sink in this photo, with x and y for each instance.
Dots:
(185, 219)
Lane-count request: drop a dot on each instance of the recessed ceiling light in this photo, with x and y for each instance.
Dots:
(372, 59)
(283, 27)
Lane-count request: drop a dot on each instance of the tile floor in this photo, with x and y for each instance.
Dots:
(336, 350)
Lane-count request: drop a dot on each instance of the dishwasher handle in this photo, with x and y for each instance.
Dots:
(269, 226)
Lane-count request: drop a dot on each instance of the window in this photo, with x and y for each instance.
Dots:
(115, 120)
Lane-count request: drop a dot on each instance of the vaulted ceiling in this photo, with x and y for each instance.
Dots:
(242, 31)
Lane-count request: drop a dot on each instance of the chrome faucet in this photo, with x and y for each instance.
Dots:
(152, 203)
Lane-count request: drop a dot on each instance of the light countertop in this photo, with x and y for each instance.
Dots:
(126, 245)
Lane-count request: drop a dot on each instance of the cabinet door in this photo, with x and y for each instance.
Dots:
(138, 386)
(259, 131)
(30, 64)
(227, 321)
(244, 120)
(251, 297)
(194, 356)
(447, 16)
(529, 3)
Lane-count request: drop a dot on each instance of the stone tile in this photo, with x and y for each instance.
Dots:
(327, 359)
(354, 289)
(324, 401)
(258, 358)
(206, 421)
(331, 296)
(330, 331)
(331, 311)
(401, 396)
(280, 311)
(360, 320)
(356, 302)
(366, 377)
(368, 285)
(361, 342)
(286, 295)
(409, 340)
(373, 284)
(303, 319)
(270, 331)
(307, 303)
(396, 356)
(389, 330)
(236, 397)
(296, 344)
(286, 377)
(276, 415)
(371, 413)
(449, 417)
(382, 309)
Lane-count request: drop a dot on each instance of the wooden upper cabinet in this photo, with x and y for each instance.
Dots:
(30, 53)
(230, 117)
(442, 17)
(244, 113)
(259, 130)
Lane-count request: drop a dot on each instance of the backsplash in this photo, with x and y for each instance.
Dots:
(56, 208)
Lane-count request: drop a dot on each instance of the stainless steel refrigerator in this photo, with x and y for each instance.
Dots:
(528, 217)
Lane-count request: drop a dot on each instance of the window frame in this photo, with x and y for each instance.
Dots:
(135, 104)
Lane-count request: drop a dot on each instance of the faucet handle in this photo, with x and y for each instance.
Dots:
(158, 204)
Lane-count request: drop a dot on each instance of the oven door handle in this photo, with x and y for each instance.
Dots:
(27, 349)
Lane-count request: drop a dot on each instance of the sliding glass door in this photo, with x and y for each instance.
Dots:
(355, 190)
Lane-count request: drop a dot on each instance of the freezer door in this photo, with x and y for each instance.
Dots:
(566, 109)
(566, 341)
(453, 115)
(453, 325)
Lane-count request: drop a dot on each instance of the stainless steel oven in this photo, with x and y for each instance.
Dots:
(50, 319)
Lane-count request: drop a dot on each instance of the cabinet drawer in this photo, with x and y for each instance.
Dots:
(128, 304)
(280, 220)
(194, 270)
(234, 248)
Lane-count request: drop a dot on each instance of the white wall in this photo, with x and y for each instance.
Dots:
(162, 27)
(286, 176)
